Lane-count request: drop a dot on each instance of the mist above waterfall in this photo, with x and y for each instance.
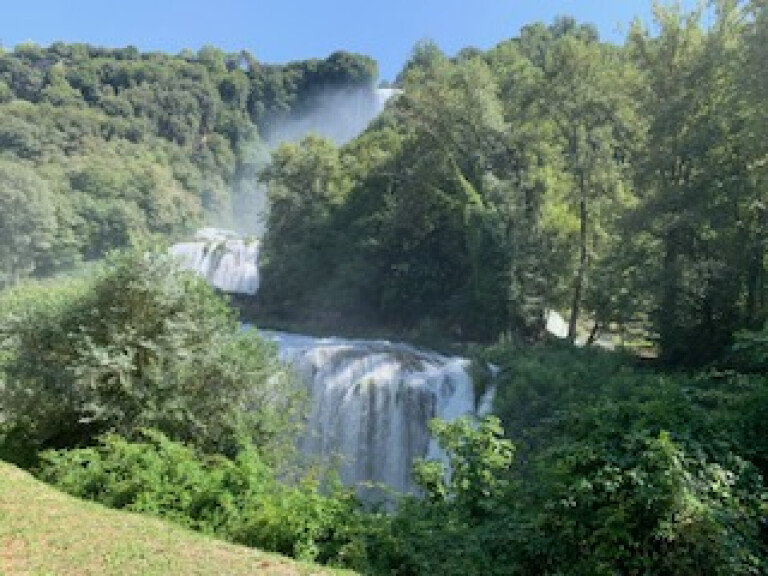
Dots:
(339, 114)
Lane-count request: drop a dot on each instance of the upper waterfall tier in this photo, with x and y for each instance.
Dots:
(229, 262)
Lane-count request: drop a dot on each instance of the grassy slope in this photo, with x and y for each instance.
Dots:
(43, 531)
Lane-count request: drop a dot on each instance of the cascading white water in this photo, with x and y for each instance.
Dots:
(229, 262)
(371, 403)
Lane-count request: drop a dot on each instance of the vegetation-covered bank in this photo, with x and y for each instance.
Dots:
(42, 531)
(596, 463)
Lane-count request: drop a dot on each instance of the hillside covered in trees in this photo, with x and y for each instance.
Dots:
(104, 148)
(624, 186)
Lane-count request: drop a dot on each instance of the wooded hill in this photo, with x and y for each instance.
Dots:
(621, 185)
(103, 148)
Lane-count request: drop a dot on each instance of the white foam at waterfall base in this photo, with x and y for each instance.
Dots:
(371, 403)
(228, 262)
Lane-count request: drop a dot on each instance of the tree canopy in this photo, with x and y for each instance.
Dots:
(620, 185)
(121, 146)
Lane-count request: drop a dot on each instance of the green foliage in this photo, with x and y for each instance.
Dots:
(141, 345)
(27, 221)
(125, 146)
(750, 351)
(461, 527)
(645, 471)
(306, 182)
(239, 499)
(700, 222)
(639, 503)
(478, 460)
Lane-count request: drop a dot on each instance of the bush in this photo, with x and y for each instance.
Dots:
(465, 524)
(239, 499)
(633, 503)
(143, 344)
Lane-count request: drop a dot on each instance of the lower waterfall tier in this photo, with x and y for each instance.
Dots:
(371, 403)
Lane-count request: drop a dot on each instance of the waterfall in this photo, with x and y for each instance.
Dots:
(229, 262)
(371, 403)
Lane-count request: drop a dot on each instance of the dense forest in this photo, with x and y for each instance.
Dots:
(625, 186)
(106, 148)
(621, 185)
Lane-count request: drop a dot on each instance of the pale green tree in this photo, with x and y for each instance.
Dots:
(27, 221)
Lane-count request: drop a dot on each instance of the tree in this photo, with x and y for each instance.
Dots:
(27, 221)
(589, 93)
(701, 209)
(306, 183)
(438, 248)
(754, 135)
(143, 345)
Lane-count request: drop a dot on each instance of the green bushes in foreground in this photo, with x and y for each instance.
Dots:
(625, 469)
(239, 499)
(612, 503)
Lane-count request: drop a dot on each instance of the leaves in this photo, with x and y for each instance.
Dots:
(142, 345)
(239, 499)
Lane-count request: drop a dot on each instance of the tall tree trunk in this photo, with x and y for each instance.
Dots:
(581, 275)
(756, 273)
(593, 334)
(670, 290)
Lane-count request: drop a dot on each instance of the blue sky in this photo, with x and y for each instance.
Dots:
(283, 30)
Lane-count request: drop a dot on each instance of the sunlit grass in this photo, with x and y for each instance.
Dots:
(45, 532)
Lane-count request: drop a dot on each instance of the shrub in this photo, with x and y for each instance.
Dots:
(240, 499)
(143, 344)
(465, 523)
